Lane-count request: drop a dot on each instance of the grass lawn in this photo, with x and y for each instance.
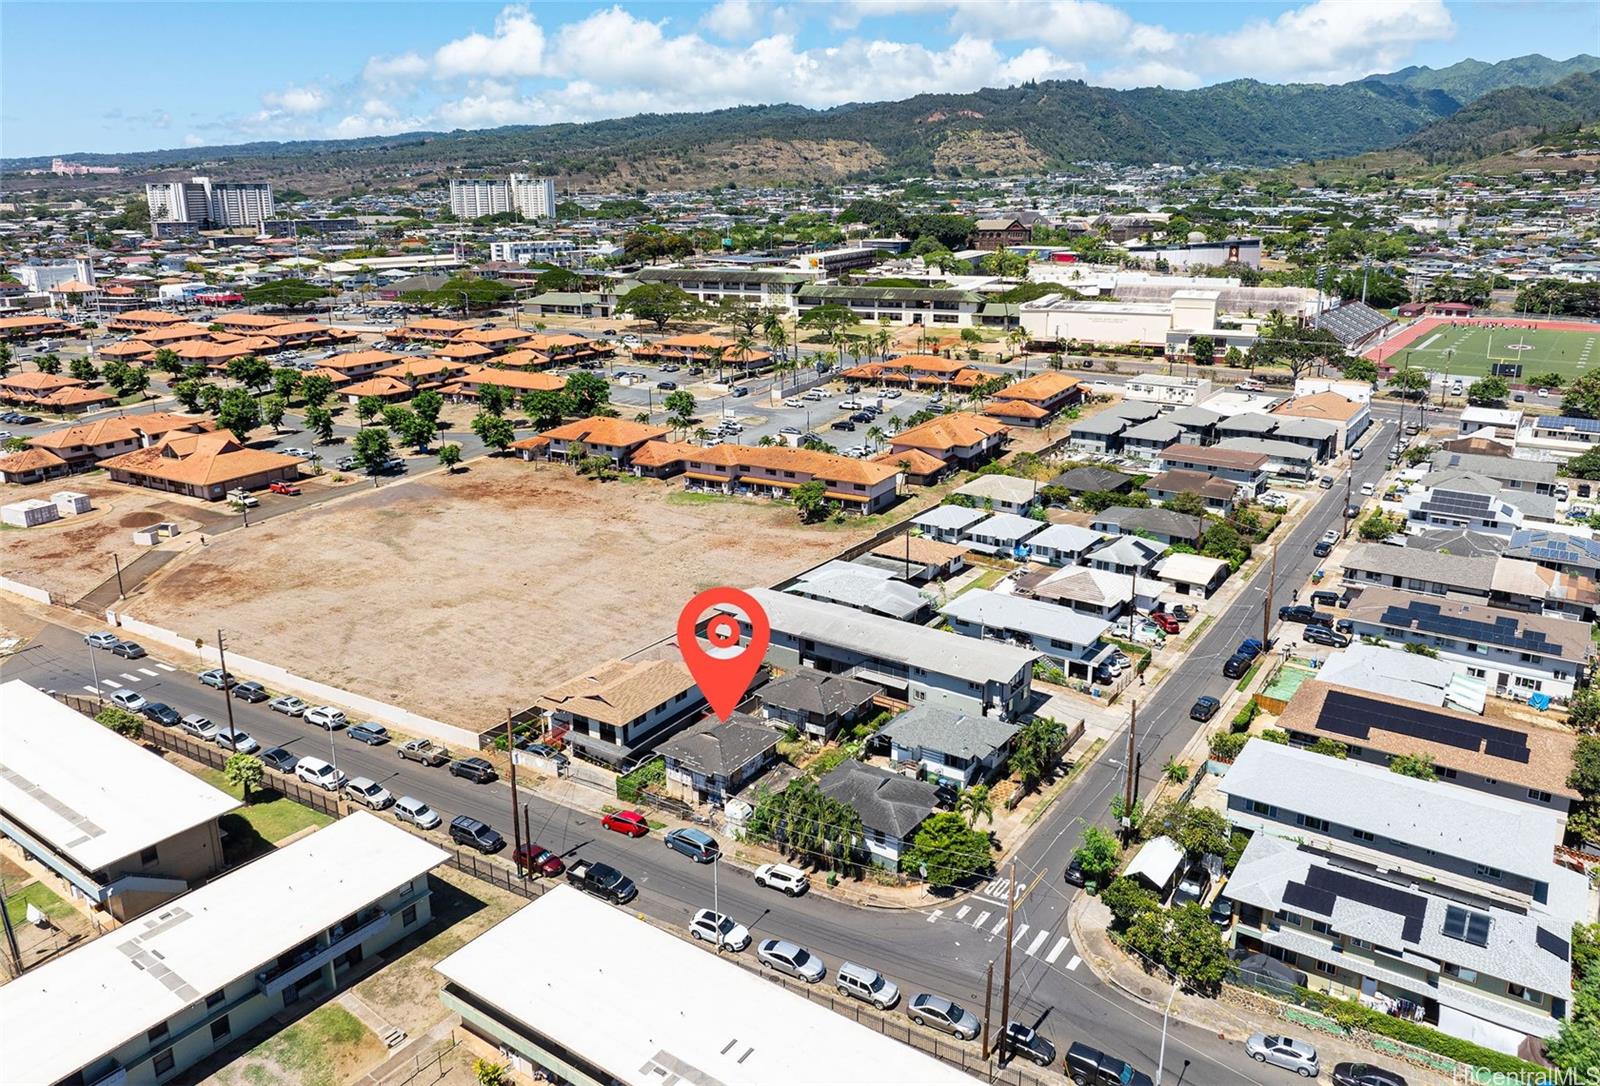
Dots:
(268, 819)
(1470, 351)
(320, 1049)
(37, 893)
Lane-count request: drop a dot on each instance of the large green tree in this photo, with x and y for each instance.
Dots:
(587, 393)
(545, 408)
(948, 851)
(293, 293)
(1097, 854)
(250, 371)
(239, 412)
(493, 430)
(372, 449)
(658, 303)
(319, 420)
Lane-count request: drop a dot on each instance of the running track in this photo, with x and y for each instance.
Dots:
(1407, 336)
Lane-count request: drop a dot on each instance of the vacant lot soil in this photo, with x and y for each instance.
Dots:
(463, 596)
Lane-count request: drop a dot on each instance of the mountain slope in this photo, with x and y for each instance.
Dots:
(1510, 118)
(1468, 80)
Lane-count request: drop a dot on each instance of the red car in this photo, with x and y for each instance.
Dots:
(631, 823)
(1167, 623)
(284, 488)
(539, 860)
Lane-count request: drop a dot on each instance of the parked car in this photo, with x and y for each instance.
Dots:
(473, 769)
(251, 692)
(1025, 1041)
(129, 650)
(320, 773)
(131, 700)
(1346, 627)
(243, 497)
(238, 740)
(217, 678)
(1074, 874)
(740, 391)
(1326, 597)
(419, 814)
(843, 424)
(1351, 512)
(373, 735)
(1285, 1052)
(539, 860)
(792, 959)
(631, 823)
(284, 488)
(1324, 635)
(1167, 623)
(475, 834)
(1221, 911)
(1251, 647)
(1322, 548)
(368, 792)
(867, 985)
(279, 759)
(1087, 1066)
(1235, 666)
(1204, 708)
(667, 386)
(161, 713)
(698, 845)
(1366, 490)
(198, 726)
(1193, 886)
(325, 716)
(941, 1014)
(720, 929)
(1364, 1074)
(287, 704)
(425, 751)
(790, 880)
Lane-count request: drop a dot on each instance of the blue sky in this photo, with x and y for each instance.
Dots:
(135, 76)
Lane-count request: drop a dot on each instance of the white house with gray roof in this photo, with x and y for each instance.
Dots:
(1002, 533)
(1391, 888)
(1067, 637)
(866, 588)
(1064, 544)
(962, 750)
(946, 522)
(1001, 493)
(1512, 473)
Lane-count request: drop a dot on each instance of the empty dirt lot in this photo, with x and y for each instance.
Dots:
(462, 596)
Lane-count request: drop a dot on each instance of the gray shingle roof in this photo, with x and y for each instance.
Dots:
(1504, 468)
(997, 612)
(720, 750)
(1470, 573)
(1456, 541)
(886, 802)
(1079, 480)
(809, 691)
(950, 732)
(1122, 518)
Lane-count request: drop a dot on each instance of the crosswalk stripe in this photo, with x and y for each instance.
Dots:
(1038, 941)
(1055, 951)
(111, 683)
(982, 917)
(166, 667)
(999, 926)
(91, 689)
(1017, 938)
(131, 678)
(147, 671)
(935, 915)
(961, 913)
(1074, 963)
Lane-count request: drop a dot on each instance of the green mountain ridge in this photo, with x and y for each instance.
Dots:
(1508, 119)
(1045, 125)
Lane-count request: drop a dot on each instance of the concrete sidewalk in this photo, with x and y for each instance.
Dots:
(1088, 919)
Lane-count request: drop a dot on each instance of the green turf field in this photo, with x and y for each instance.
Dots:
(1475, 351)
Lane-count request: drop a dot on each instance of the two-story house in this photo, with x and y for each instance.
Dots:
(948, 746)
(622, 708)
(892, 807)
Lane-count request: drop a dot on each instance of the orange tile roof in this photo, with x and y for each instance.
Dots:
(200, 459)
(422, 368)
(296, 328)
(120, 428)
(460, 350)
(336, 376)
(149, 316)
(553, 341)
(655, 454)
(1017, 409)
(930, 362)
(599, 430)
(377, 386)
(128, 348)
(695, 341)
(31, 459)
(72, 286)
(17, 324)
(949, 432)
(37, 382)
(1041, 386)
(1330, 406)
(516, 380)
(917, 461)
(173, 333)
(249, 320)
(523, 357)
(74, 397)
(494, 335)
(822, 465)
(357, 359)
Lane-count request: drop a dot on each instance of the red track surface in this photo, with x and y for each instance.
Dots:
(1406, 337)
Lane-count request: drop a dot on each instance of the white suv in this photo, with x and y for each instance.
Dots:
(791, 880)
(322, 774)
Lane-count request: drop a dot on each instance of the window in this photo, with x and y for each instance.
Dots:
(148, 856)
(220, 1028)
(1535, 794)
(1326, 967)
(163, 1063)
(1257, 807)
(155, 1033)
(1485, 871)
(1362, 835)
(1519, 992)
(1460, 973)
(1310, 822)
(1321, 927)
(408, 916)
(1446, 772)
(216, 997)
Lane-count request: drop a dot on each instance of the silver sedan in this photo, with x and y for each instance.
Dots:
(793, 959)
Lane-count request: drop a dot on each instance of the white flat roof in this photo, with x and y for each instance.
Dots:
(90, 1001)
(85, 790)
(531, 969)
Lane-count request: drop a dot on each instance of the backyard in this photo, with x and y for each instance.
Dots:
(462, 596)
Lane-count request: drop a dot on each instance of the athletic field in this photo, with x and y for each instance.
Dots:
(1511, 348)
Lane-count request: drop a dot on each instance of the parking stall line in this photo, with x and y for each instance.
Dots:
(111, 683)
(130, 678)
(147, 671)
(961, 913)
(166, 667)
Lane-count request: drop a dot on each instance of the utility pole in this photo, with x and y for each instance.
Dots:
(118, 562)
(1266, 604)
(1130, 774)
(1349, 481)
(94, 670)
(227, 688)
(527, 831)
(989, 990)
(516, 827)
(1005, 987)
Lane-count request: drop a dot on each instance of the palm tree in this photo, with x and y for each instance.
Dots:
(743, 345)
(975, 803)
(875, 435)
(881, 339)
(702, 435)
(716, 360)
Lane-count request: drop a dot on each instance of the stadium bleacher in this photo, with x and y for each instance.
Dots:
(1354, 323)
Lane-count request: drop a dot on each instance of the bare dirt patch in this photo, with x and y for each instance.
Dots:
(462, 596)
(71, 556)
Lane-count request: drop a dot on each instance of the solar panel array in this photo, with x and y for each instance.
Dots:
(1356, 717)
(1568, 422)
(1324, 887)
(1466, 925)
(1505, 631)
(1551, 943)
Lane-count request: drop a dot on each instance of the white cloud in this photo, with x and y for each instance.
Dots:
(1331, 40)
(733, 20)
(1037, 63)
(515, 49)
(192, 140)
(397, 70)
(1150, 73)
(296, 100)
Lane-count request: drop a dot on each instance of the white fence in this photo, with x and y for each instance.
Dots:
(27, 591)
(320, 693)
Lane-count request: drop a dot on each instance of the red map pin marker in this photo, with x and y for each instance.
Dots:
(723, 672)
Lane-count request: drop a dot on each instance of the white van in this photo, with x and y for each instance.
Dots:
(322, 774)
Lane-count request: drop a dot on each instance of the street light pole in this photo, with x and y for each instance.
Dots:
(1161, 1060)
(227, 696)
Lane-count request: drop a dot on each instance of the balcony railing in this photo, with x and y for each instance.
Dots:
(273, 981)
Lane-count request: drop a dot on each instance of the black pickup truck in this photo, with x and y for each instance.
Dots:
(602, 881)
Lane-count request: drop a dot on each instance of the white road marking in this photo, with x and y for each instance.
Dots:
(1074, 963)
(166, 667)
(110, 682)
(91, 689)
(961, 913)
(999, 926)
(935, 915)
(147, 671)
(131, 678)
(1055, 951)
(978, 923)
(1038, 941)
(1017, 938)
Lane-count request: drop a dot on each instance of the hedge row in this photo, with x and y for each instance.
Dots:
(1351, 1014)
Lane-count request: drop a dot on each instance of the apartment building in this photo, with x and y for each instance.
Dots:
(1518, 654)
(774, 288)
(961, 440)
(205, 465)
(528, 197)
(1439, 901)
(1560, 436)
(1071, 640)
(205, 204)
(1512, 473)
(945, 306)
(145, 1003)
(915, 663)
(614, 712)
(81, 446)
(616, 439)
(124, 829)
(1511, 584)
(1456, 499)
(1244, 467)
